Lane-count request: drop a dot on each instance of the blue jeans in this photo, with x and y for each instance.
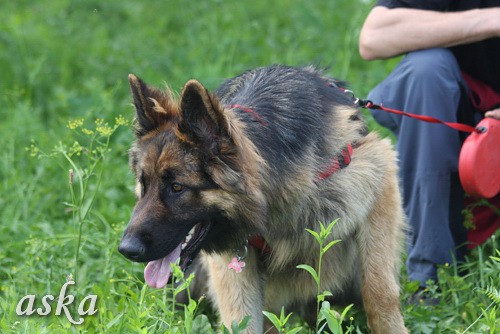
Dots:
(428, 82)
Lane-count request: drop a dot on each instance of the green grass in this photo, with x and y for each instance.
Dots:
(66, 60)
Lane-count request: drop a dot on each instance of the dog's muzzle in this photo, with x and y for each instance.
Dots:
(132, 248)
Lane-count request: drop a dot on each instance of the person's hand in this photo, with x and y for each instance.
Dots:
(495, 113)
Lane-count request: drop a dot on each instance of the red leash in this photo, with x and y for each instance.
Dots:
(478, 160)
(367, 104)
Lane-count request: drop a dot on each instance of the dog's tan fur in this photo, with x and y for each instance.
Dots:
(364, 197)
(373, 208)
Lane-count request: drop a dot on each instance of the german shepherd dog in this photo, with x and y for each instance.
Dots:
(235, 177)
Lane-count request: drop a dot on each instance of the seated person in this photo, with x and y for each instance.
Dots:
(451, 47)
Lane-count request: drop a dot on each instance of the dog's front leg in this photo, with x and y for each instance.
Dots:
(379, 248)
(236, 294)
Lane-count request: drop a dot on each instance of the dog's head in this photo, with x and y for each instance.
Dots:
(196, 180)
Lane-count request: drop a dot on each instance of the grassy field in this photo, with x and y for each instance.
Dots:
(66, 192)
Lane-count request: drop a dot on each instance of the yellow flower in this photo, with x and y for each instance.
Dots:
(120, 120)
(88, 132)
(76, 149)
(33, 149)
(76, 123)
(104, 130)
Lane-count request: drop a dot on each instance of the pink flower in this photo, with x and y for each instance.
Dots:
(236, 265)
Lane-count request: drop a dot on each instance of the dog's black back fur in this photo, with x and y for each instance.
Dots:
(293, 104)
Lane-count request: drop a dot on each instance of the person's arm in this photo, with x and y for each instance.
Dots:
(390, 32)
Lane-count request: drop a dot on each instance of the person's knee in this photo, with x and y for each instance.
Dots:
(432, 65)
(426, 75)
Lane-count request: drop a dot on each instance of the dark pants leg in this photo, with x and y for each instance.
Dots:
(427, 82)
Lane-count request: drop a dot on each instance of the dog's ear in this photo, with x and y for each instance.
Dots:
(202, 118)
(204, 123)
(153, 107)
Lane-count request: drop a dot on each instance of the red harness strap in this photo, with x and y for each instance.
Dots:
(259, 243)
(338, 162)
(250, 111)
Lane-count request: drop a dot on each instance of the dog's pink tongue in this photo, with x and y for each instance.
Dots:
(157, 273)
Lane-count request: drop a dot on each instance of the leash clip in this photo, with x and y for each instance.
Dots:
(481, 129)
(243, 248)
(351, 94)
(237, 264)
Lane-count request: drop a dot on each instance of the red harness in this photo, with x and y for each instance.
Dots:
(259, 243)
(340, 161)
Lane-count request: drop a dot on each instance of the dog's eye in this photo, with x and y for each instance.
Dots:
(177, 187)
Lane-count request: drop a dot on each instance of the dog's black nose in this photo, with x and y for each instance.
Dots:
(131, 247)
